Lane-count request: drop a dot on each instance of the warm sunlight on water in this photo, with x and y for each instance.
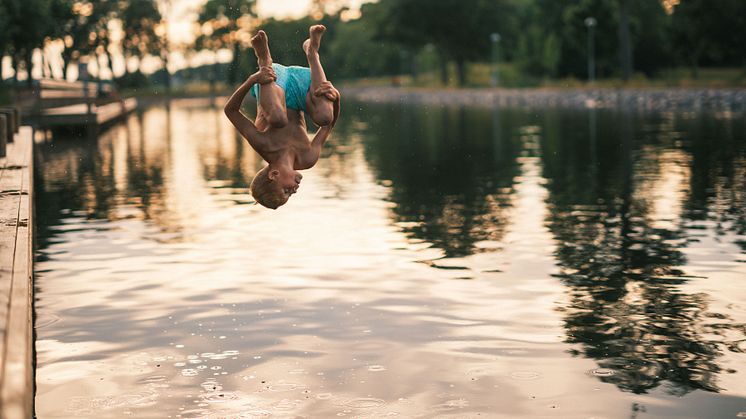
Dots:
(436, 263)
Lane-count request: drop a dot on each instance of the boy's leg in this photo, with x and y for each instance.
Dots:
(320, 109)
(271, 96)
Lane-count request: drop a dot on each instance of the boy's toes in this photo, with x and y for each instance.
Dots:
(315, 33)
(260, 39)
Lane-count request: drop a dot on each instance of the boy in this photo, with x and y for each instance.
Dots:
(279, 132)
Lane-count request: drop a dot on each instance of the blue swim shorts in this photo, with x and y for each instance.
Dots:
(295, 81)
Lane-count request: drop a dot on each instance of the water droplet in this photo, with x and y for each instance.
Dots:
(364, 403)
(376, 368)
(525, 375)
(153, 379)
(188, 372)
(459, 403)
(285, 387)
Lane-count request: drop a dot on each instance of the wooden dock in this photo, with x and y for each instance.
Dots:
(79, 115)
(16, 274)
(61, 104)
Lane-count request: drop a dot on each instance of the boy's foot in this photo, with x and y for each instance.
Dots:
(260, 43)
(313, 43)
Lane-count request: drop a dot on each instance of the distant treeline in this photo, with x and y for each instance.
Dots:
(540, 38)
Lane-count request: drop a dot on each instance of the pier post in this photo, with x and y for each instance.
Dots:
(3, 135)
(10, 123)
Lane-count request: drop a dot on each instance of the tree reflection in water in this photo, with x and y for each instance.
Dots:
(451, 173)
(620, 257)
(626, 308)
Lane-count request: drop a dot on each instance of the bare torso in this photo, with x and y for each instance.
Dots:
(290, 139)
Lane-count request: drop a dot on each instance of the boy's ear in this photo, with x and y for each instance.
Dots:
(273, 174)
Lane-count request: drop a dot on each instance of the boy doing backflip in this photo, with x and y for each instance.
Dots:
(279, 132)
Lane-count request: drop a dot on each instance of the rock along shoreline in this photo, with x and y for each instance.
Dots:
(728, 100)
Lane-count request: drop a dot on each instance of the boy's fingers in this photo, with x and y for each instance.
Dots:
(324, 90)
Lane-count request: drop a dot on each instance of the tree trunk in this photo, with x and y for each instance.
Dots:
(65, 62)
(233, 71)
(29, 67)
(694, 61)
(443, 64)
(461, 69)
(624, 40)
(14, 64)
(165, 72)
(2, 54)
(109, 64)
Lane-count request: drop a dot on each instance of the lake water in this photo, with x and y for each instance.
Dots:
(437, 262)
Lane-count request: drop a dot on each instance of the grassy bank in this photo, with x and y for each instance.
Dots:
(480, 75)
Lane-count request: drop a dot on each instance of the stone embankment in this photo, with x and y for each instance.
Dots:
(733, 100)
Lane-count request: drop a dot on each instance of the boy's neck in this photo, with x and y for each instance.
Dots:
(283, 159)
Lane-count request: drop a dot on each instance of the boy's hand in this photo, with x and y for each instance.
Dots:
(265, 75)
(327, 90)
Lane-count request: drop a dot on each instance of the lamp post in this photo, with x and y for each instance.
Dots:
(495, 40)
(590, 23)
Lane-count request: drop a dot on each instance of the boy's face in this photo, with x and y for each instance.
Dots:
(285, 182)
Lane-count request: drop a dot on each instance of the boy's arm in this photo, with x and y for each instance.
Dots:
(243, 124)
(328, 90)
(320, 138)
(323, 133)
(311, 157)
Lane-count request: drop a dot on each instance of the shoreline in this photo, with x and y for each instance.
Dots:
(697, 99)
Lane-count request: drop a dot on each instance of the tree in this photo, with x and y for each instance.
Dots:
(459, 29)
(226, 24)
(630, 35)
(83, 25)
(22, 37)
(4, 35)
(710, 32)
(139, 21)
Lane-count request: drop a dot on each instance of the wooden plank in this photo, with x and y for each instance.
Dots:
(50, 84)
(16, 374)
(77, 109)
(10, 179)
(77, 115)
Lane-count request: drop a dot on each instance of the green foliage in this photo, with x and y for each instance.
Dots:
(354, 52)
(139, 21)
(538, 52)
(459, 29)
(227, 24)
(710, 32)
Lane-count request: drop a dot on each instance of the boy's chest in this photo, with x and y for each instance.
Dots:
(294, 141)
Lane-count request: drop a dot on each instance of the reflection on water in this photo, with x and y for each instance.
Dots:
(436, 263)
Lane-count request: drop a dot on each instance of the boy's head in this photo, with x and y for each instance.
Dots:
(272, 187)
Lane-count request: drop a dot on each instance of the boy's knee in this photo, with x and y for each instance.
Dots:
(323, 115)
(277, 118)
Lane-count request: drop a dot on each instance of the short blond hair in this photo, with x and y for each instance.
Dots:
(261, 189)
